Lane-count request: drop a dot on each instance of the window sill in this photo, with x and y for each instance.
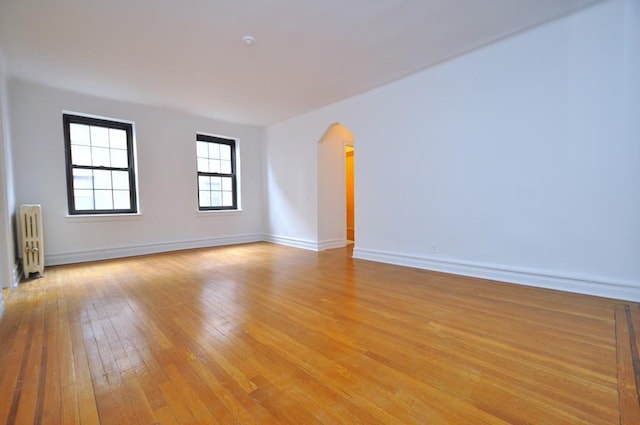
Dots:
(97, 218)
(213, 213)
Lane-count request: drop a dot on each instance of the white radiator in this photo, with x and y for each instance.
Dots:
(32, 241)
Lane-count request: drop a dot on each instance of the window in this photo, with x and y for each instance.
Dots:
(216, 173)
(100, 166)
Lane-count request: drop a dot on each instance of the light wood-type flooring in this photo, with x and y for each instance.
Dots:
(266, 334)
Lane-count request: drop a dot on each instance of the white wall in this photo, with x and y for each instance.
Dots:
(518, 161)
(8, 269)
(165, 141)
(291, 173)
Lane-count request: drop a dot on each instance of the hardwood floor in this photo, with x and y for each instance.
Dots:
(261, 334)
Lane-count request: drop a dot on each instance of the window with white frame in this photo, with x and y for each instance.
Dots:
(217, 183)
(100, 166)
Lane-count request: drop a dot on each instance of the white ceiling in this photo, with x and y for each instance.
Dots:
(189, 54)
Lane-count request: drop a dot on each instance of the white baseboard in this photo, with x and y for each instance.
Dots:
(590, 285)
(133, 250)
(17, 274)
(331, 244)
(294, 242)
(305, 243)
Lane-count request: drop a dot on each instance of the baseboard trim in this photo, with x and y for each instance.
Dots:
(133, 250)
(589, 285)
(16, 275)
(293, 242)
(305, 243)
(331, 244)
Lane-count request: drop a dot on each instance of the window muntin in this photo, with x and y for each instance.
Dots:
(217, 187)
(100, 166)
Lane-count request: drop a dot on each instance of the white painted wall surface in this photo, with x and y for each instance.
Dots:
(519, 161)
(291, 175)
(8, 277)
(166, 163)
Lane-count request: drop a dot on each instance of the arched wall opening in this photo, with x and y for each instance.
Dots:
(332, 192)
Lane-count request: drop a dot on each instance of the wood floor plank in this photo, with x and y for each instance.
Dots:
(31, 374)
(16, 351)
(266, 334)
(628, 359)
(48, 407)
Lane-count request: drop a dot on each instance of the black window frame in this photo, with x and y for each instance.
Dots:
(233, 174)
(69, 119)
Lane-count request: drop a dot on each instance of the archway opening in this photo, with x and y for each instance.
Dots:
(332, 187)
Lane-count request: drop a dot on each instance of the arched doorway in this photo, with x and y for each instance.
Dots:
(332, 192)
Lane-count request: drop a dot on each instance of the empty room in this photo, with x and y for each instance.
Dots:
(290, 212)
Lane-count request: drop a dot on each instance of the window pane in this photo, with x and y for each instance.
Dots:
(102, 179)
(214, 166)
(99, 136)
(216, 183)
(117, 138)
(83, 199)
(202, 150)
(214, 150)
(204, 183)
(79, 134)
(104, 200)
(119, 158)
(82, 179)
(120, 179)
(216, 198)
(225, 167)
(226, 183)
(227, 199)
(121, 200)
(100, 157)
(225, 152)
(203, 165)
(205, 198)
(80, 155)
